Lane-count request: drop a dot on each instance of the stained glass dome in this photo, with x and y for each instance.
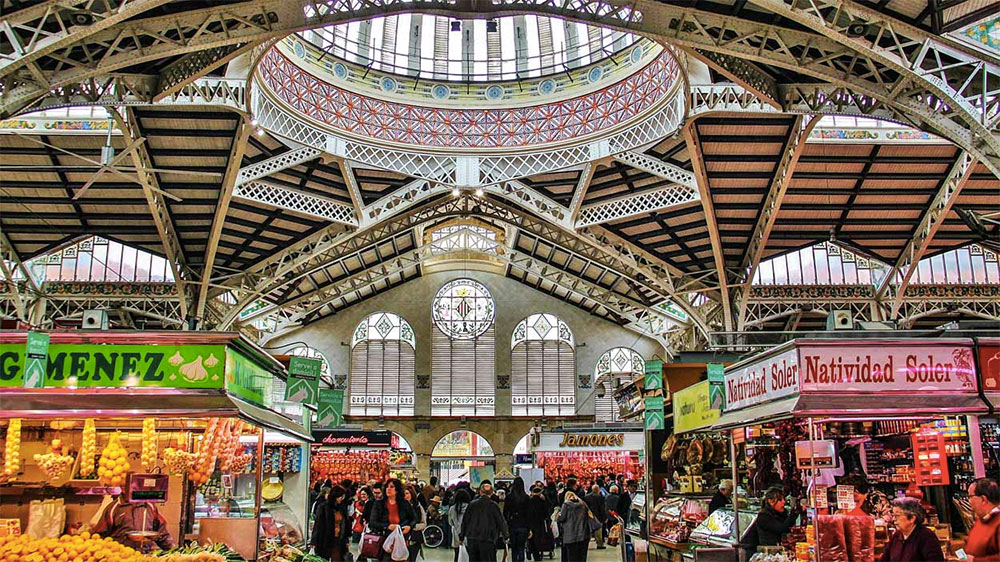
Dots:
(463, 309)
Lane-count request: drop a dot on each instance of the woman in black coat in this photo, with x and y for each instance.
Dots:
(392, 511)
(774, 520)
(539, 520)
(332, 529)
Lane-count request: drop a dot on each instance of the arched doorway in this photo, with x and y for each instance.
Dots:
(463, 456)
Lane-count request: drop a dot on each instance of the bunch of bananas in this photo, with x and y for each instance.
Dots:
(89, 448)
(148, 444)
(12, 448)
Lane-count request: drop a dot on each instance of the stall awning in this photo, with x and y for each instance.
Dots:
(854, 406)
(140, 402)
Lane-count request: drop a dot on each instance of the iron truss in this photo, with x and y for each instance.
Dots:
(920, 78)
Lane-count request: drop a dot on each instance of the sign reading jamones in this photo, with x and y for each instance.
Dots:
(817, 366)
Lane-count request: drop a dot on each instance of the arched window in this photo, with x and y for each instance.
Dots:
(615, 365)
(542, 367)
(382, 364)
(462, 350)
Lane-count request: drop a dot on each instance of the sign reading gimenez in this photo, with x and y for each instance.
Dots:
(772, 378)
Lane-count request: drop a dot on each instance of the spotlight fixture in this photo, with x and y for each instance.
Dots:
(253, 122)
(492, 26)
(456, 25)
(479, 192)
(456, 192)
(260, 132)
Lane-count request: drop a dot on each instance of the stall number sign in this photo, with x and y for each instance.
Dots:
(653, 415)
(763, 381)
(37, 353)
(97, 365)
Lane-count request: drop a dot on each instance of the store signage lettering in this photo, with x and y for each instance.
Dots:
(693, 408)
(775, 377)
(354, 439)
(593, 440)
(94, 365)
(247, 380)
(831, 368)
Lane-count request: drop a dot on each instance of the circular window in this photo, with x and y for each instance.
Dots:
(636, 54)
(300, 51)
(388, 84)
(546, 87)
(494, 93)
(440, 92)
(340, 70)
(463, 309)
(595, 74)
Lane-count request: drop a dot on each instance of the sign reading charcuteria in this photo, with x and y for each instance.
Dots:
(818, 366)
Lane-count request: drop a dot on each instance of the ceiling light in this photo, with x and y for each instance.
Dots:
(253, 121)
(456, 25)
(456, 192)
(260, 132)
(479, 193)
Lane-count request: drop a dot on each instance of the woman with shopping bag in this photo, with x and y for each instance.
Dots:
(390, 514)
(416, 538)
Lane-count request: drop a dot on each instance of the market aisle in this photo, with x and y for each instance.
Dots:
(606, 555)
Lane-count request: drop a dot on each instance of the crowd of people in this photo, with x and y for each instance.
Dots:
(476, 522)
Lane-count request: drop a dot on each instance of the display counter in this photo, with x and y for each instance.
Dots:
(118, 407)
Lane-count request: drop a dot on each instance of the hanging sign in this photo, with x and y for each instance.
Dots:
(774, 377)
(37, 359)
(989, 366)
(654, 413)
(654, 375)
(716, 372)
(247, 379)
(883, 367)
(693, 408)
(330, 412)
(352, 439)
(598, 441)
(116, 365)
(303, 380)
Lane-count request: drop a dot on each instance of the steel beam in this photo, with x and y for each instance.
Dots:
(934, 217)
(718, 255)
(9, 262)
(298, 201)
(658, 168)
(580, 193)
(743, 73)
(636, 204)
(275, 164)
(151, 190)
(221, 210)
(351, 181)
(798, 134)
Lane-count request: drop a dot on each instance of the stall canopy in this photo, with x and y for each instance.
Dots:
(853, 378)
(130, 374)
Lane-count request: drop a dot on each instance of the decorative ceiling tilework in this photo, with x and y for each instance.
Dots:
(570, 119)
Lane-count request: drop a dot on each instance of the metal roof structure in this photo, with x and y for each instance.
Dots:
(282, 182)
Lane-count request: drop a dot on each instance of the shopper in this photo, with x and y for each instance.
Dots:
(861, 489)
(912, 541)
(391, 512)
(416, 539)
(515, 512)
(595, 502)
(575, 524)
(571, 486)
(611, 501)
(431, 489)
(722, 497)
(625, 500)
(539, 520)
(483, 526)
(331, 532)
(983, 544)
(773, 520)
(456, 513)
(360, 501)
(551, 493)
(376, 489)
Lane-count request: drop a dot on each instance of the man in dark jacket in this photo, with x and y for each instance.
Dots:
(611, 500)
(722, 497)
(482, 525)
(595, 502)
(625, 500)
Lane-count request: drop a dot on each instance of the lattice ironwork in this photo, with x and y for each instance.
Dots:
(299, 201)
(658, 168)
(637, 204)
(275, 164)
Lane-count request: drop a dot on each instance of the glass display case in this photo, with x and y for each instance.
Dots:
(720, 528)
(635, 524)
(667, 523)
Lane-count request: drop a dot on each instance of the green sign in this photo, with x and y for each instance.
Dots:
(654, 375)
(303, 380)
(654, 412)
(330, 412)
(247, 379)
(37, 353)
(716, 372)
(113, 365)
(717, 396)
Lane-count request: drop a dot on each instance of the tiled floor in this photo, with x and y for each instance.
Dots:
(446, 555)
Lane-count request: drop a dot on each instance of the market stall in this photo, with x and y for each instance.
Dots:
(358, 455)
(988, 355)
(97, 421)
(589, 454)
(693, 461)
(827, 413)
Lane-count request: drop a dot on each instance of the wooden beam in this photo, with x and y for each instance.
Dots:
(221, 210)
(701, 176)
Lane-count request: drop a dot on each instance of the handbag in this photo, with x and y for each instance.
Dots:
(371, 544)
(593, 523)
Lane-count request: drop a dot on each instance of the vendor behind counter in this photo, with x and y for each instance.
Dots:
(120, 520)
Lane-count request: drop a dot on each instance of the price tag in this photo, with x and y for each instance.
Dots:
(845, 498)
(274, 480)
(820, 497)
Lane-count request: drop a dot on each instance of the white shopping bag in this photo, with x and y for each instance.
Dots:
(395, 545)
(463, 554)
(46, 518)
(554, 527)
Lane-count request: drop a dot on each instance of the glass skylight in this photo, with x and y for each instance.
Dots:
(507, 48)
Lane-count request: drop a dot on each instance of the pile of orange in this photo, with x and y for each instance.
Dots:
(67, 548)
